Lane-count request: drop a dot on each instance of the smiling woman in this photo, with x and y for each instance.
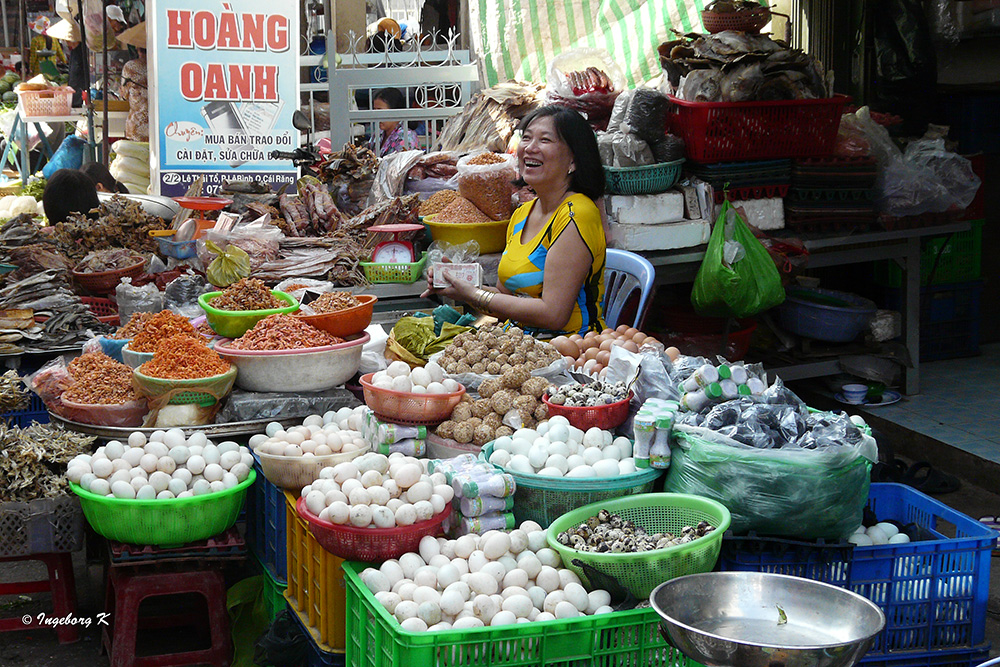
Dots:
(555, 246)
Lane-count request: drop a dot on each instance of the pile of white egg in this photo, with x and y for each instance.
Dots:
(377, 491)
(168, 465)
(494, 579)
(557, 449)
(333, 433)
(429, 379)
(880, 533)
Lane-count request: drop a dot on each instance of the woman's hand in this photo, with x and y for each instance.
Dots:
(457, 290)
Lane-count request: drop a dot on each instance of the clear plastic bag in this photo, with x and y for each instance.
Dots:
(181, 294)
(951, 170)
(145, 299)
(50, 381)
(631, 151)
(587, 80)
(259, 239)
(488, 186)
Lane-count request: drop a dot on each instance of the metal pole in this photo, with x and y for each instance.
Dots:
(6, 34)
(104, 84)
(22, 25)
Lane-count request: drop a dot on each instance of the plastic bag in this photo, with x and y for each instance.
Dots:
(587, 80)
(951, 170)
(657, 378)
(458, 253)
(373, 352)
(260, 239)
(50, 381)
(229, 266)
(297, 287)
(488, 186)
(181, 295)
(251, 405)
(391, 176)
(630, 151)
(747, 287)
(803, 493)
(667, 148)
(69, 155)
(618, 111)
(646, 115)
(145, 299)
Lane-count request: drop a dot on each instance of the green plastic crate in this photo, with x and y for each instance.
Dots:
(274, 591)
(961, 259)
(374, 639)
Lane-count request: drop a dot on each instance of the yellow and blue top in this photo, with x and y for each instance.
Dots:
(522, 265)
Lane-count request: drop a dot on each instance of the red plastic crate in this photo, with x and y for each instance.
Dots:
(728, 131)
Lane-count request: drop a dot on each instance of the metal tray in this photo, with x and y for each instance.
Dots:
(230, 430)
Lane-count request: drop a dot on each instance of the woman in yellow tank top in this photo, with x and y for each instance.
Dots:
(555, 244)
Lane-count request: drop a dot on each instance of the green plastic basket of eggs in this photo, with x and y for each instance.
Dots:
(591, 353)
(144, 492)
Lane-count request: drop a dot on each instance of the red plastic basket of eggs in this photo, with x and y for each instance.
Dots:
(591, 353)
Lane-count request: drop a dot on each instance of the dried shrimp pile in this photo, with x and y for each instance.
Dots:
(132, 327)
(283, 332)
(437, 201)
(100, 380)
(184, 358)
(331, 302)
(246, 294)
(160, 326)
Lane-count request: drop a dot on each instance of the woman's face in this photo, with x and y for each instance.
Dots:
(543, 157)
(386, 126)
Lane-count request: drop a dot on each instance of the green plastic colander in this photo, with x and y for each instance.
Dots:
(641, 572)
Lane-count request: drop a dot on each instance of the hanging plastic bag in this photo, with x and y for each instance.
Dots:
(229, 265)
(737, 278)
(587, 80)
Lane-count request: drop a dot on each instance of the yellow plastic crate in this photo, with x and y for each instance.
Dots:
(316, 589)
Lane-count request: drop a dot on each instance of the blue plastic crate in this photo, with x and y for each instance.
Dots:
(35, 412)
(933, 592)
(943, 303)
(266, 525)
(963, 657)
(315, 656)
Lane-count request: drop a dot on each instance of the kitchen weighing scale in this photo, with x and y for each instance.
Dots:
(396, 250)
(199, 204)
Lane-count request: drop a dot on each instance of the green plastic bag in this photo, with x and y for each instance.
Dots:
(750, 285)
(791, 492)
(229, 266)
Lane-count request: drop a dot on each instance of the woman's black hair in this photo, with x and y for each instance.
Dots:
(572, 128)
(100, 175)
(69, 191)
(391, 96)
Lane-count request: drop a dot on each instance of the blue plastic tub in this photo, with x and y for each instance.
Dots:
(266, 525)
(113, 347)
(933, 592)
(828, 315)
(178, 249)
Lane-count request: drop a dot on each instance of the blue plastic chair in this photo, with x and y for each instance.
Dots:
(628, 283)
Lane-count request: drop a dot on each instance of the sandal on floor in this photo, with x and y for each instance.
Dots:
(889, 471)
(924, 477)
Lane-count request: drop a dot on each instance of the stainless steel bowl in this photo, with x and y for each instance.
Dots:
(749, 619)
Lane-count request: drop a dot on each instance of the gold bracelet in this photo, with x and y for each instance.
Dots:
(488, 301)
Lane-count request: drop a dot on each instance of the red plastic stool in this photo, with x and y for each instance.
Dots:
(60, 583)
(127, 589)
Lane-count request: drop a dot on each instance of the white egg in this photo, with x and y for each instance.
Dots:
(100, 487)
(899, 538)
(558, 430)
(549, 557)
(402, 383)
(484, 607)
(425, 576)
(174, 437)
(550, 472)
(606, 609)
(577, 594)
(389, 600)
(582, 471)
(133, 455)
(547, 578)
(145, 492)
(407, 475)
(558, 461)
(214, 472)
(423, 509)
(626, 466)
(464, 546)
(122, 489)
(606, 468)
(87, 479)
(196, 464)
(597, 599)
(889, 529)
(451, 602)
(860, 539)
(500, 457)
(520, 464)
(496, 545)
(877, 535)
(406, 515)
(537, 456)
(426, 594)
(419, 491)
(552, 599)
(360, 516)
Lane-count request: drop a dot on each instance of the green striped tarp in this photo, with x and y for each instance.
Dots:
(516, 39)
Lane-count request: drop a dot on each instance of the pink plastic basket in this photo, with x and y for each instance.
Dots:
(401, 407)
(605, 417)
(54, 102)
(370, 545)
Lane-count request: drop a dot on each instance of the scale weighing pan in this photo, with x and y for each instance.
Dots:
(203, 203)
(752, 619)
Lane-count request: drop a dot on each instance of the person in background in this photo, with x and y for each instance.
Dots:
(68, 191)
(392, 136)
(556, 246)
(68, 31)
(42, 43)
(102, 178)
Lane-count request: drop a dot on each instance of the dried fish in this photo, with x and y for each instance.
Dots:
(12, 393)
(19, 230)
(33, 460)
(489, 119)
(121, 223)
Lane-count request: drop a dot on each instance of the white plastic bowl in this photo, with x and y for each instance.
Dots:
(294, 472)
(308, 369)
